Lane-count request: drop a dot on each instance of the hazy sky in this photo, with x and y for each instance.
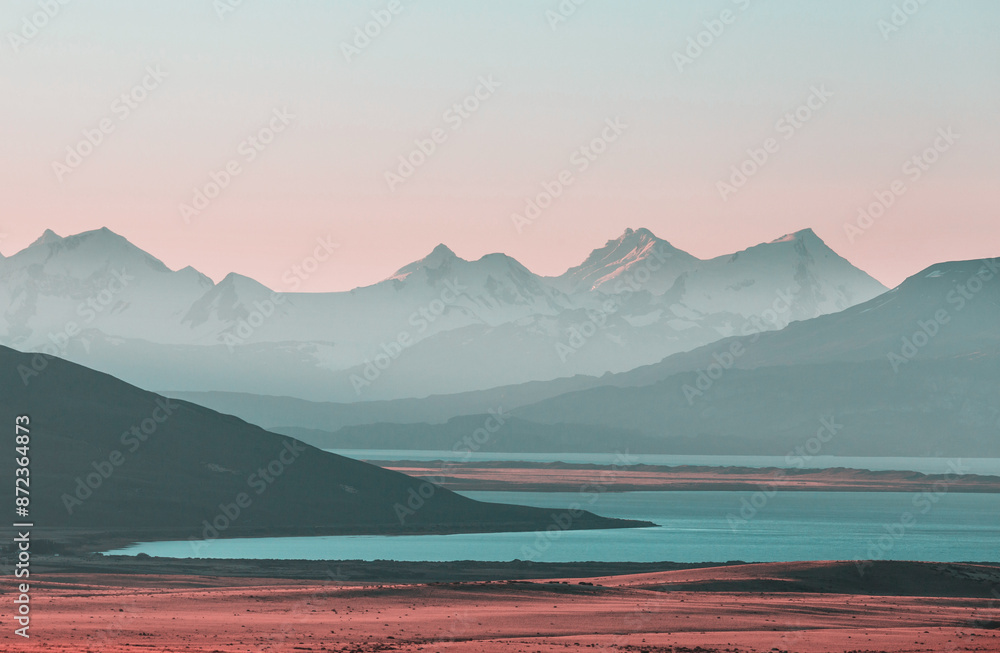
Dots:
(546, 89)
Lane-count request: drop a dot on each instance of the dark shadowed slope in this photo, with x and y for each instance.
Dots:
(153, 463)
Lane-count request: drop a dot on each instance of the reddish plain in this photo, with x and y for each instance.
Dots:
(800, 607)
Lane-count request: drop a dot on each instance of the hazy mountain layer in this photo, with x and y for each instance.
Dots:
(439, 325)
(915, 372)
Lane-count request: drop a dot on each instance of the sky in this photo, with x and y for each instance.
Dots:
(235, 135)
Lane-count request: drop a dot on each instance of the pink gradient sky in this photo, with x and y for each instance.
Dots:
(324, 175)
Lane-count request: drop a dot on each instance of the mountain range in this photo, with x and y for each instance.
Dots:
(641, 347)
(912, 372)
(440, 325)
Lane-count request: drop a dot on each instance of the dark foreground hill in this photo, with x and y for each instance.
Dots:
(108, 455)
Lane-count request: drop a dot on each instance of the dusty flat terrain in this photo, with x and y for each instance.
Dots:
(565, 477)
(802, 607)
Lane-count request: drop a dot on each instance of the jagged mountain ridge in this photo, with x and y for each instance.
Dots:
(475, 324)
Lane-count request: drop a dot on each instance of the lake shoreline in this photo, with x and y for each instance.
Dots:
(517, 476)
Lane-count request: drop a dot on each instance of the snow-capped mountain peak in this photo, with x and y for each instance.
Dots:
(798, 264)
(495, 289)
(788, 249)
(48, 236)
(441, 257)
(803, 235)
(86, 253)
(635, 249)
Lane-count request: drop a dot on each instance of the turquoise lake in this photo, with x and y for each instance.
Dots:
(692, 527)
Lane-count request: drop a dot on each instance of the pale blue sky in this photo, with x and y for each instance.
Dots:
(325, 175)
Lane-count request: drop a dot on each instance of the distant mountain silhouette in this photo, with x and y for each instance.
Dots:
(438, 325)
(913, 372)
